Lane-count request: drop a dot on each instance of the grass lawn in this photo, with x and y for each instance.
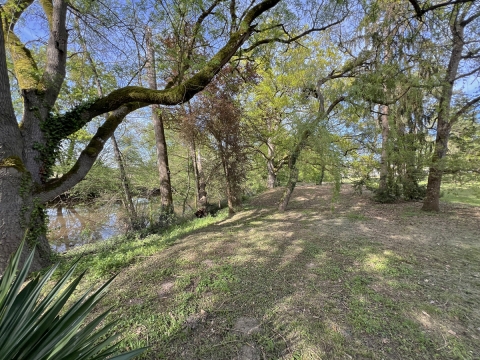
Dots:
(349, 279)
(455, 192)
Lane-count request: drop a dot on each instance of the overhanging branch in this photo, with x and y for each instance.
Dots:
(85, 161)
(421, 10)
(290, 40)
(173, 96)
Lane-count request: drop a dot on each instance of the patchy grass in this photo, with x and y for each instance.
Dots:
(344, 279)
(463, 193)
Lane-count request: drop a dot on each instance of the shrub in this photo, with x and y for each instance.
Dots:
(35, 324)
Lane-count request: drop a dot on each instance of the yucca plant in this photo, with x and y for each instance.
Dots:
(36, 325)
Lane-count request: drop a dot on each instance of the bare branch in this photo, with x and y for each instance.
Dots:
(196, 29)
(290, 39)
(470, 19)
(420, 11)
(468, 74)
(465, 108)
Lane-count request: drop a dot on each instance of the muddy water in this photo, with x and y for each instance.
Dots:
(79, 225)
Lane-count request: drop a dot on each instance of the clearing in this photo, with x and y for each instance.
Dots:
(343, 279)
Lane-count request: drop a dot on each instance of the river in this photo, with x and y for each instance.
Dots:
(71, 226)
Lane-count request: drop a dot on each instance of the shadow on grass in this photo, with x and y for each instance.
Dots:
(321, 284)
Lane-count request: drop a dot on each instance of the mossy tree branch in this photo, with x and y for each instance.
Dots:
(25, 67)
(48, 9)
(85, 161)
(121, 102)
(81, 115)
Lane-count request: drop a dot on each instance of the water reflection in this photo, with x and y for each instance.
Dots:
(73, 226)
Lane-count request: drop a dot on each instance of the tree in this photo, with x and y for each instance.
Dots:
(271, 101)
(27, 151)
(160, 141)
(127, 193)
(319, 118)
(463, 47)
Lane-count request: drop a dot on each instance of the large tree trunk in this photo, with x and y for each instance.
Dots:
(160, 142)
(15, 219)
(444, 121)
(432, 198)
(17, 204)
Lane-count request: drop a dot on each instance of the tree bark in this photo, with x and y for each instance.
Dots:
(444, 120)
(292, 182)
(160, 141)
(292, 167)
(383, 121)
(17, 203)
(202, 200)
(271, 171)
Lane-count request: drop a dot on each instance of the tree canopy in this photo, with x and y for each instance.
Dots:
(291, 91)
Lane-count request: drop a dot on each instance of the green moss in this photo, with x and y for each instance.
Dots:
(91, 151)
(15, 162)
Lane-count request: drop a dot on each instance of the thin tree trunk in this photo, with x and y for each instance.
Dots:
(322, 175)
(383, 121)
(187, 194)
(201, 200)
(160, 142)
(432, 198)
(128, 198)
(293, 173)
(271, 173)
(292, 182)
(233, 199)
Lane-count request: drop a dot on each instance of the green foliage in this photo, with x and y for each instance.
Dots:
(38, 325)
(102, 180)
(463, 160)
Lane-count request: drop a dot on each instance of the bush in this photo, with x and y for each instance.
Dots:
(31, 326)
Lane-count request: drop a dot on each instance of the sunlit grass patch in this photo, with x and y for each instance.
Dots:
(355, 216)
(464, 193)
(387, 263)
